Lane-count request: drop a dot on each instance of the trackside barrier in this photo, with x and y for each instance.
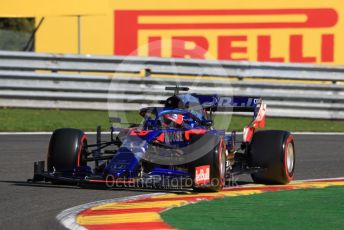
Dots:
(88, 82)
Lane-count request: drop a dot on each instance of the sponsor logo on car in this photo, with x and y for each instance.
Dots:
(202, 175)
(174, 137)
(228, 102)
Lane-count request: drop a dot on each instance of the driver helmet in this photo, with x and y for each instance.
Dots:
(173, 120)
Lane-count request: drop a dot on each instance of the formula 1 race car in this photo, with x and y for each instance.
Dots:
(175, 146)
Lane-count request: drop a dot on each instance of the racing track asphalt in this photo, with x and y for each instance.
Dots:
(29, 206)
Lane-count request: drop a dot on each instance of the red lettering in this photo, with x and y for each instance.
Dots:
(126, 32)
(296, 50)
(179, 49)
(264, 50)
(154, 46)
(127, 25)
(327, 48)
(226, 49)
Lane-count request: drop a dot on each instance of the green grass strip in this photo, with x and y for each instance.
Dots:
(48, 120)
(298, 209)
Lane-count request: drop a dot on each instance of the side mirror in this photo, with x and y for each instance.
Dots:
(207, 123)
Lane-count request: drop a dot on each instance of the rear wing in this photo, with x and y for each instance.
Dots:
(256, 105)
(228, 104)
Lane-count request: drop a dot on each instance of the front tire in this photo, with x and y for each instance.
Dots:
(67, 150)
(274, 151)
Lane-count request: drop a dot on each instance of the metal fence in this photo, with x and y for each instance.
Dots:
(91, 82)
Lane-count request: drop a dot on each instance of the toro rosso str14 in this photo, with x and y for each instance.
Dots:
(175, 146)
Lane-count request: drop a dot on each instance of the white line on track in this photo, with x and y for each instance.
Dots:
(319, 133)
(239, 133)
(320, 179)
(42, 133)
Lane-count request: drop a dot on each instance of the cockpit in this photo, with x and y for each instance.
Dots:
(180, 112)
(169, 119)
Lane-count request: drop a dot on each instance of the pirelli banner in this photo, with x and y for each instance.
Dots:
(302, 31)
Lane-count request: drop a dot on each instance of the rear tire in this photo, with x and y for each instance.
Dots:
(67, 150)
(274, 151)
